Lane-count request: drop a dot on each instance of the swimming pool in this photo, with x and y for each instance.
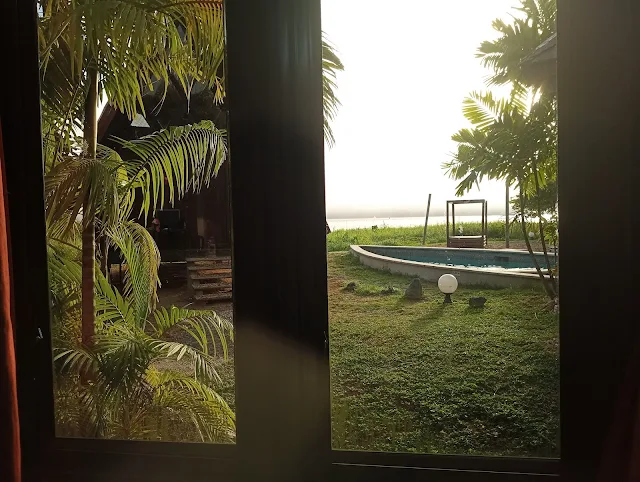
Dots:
(479, 258)
(488, 267)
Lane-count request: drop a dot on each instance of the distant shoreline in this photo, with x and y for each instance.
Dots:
(408, 221)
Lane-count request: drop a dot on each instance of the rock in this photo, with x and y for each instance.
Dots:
(388, 291)
(351, 286)
(414, 291)
(477, 302)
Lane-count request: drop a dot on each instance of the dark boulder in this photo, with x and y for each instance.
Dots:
(414, 291)
(477, 302)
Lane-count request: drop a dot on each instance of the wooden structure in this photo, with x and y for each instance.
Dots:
(465, 241)
(210, 277)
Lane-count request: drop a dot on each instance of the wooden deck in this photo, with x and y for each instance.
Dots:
(467, 242)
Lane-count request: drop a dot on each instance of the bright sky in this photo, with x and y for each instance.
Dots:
(408, 66)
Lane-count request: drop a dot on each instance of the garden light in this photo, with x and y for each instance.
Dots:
(448, 284)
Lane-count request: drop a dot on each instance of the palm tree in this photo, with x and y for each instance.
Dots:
(534, 22)
(119, 47)
(143, 384)
(122, 48)
(160, 167)
(511, 139)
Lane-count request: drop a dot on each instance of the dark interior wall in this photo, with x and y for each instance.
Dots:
(211, 204)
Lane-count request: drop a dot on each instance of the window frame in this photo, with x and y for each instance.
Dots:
(280, 259)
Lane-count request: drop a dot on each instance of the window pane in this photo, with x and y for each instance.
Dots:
(138, 220)
(443, 339)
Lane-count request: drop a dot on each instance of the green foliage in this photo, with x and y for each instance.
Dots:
(331, 65)
(508, 141)
(533, 23)
(132, 44)
(177, 159)
(341, 239)
(512, 139)
(546, 199)
(117, 387)
(125, 392)
(428, 378)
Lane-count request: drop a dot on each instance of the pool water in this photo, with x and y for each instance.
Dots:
(461, 257)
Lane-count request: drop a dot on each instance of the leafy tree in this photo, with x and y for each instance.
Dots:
(144, 385)
(161, 166)
(509, 140)
(123, 49)
(118, 47)
(513, 139)
(533, 23)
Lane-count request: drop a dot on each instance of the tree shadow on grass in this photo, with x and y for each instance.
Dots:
(403, 302)
(432, 311)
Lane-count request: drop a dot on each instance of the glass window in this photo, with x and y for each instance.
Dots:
(138, 220)
(442, 227)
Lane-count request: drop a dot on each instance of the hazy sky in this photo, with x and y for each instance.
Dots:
(408, 66)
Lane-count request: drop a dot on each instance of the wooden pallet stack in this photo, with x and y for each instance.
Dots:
(210, 277)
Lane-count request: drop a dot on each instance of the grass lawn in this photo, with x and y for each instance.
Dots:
(425, 377)
(340, 240)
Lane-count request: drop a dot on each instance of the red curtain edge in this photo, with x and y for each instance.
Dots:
(10, 468)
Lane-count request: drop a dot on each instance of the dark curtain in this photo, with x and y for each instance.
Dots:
(10, 431)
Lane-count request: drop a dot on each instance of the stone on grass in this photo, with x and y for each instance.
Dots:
(351, 286)
(414, 291)
(477, 302)
(389, 290)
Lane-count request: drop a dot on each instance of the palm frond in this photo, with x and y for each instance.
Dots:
(192, 402)
(204, 326)
(133, 43)
(482, 109)
(112, 307)
(331, 65)
(83, 186)
(125, 355)
(534, 22)
(178, 159)
(140, 253)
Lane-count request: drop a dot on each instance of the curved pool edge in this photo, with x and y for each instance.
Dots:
(469, 276)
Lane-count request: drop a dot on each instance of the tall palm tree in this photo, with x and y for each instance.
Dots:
(511, 139)
(119, 47)
(160, 167)
(144, 384)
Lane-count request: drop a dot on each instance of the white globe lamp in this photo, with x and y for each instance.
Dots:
(448, 284)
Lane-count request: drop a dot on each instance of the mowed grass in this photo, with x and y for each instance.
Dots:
(433, 378)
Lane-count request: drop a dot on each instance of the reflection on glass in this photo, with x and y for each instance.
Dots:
(138, 219)
(437, 121)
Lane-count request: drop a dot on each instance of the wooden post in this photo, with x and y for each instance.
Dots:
(426, 221)
(506, 217)
(486, 223)
(453, 219)
(447, 223)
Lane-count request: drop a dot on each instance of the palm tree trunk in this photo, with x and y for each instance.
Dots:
(88, 231)
(104, 253)
(552, 279)
(547, 288)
